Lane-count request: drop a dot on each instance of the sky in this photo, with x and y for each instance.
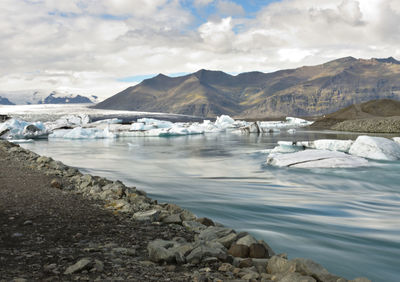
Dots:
(100, 47)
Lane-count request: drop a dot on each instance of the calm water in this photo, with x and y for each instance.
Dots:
(346, 219)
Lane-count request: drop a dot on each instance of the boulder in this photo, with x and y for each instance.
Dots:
(194, 226)
(205, 221)
(247, 240)
(277, 264)
(238, 250)
(172, 219)
(227, 240)
(205, 250)
(377, 148)
(258, 251)
(213, 232)
(162, 251)
(81, 265)
(151, 215)
(296, 277)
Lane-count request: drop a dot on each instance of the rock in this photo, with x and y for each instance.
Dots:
(225, 267)
(258, 251)
(207, 249)
(247, 241)
(43, 160)
(227, 240)
(55, 183)
(260, 264)
(187, 216)
(173, 218)
(82, 264)
(277, 264)
(151, 215)
(205, 221)
(124, 251)
(213, 232)
(250, 276)
(162, 250)
(296, 277)
(98, 265)
(238, 250)
(245, 263)
(377, 148)
(308, 267)
(268, 248)
(194, 226)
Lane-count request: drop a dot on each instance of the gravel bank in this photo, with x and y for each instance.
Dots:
(60, 225)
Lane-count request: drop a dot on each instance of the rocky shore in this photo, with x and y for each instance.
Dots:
(58, 224)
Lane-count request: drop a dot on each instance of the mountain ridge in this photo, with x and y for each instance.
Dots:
(304, 91)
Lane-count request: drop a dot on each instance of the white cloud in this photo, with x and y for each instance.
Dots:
(89, 44)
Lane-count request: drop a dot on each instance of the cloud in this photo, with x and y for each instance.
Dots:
(88, 45)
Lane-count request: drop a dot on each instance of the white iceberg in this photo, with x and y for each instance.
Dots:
(68, 121)
(20, 129)
(333, 145)
(224, 121)
(288, 147)
(316, 159)
(155, 123)
(82, 133)
(377, 148)
(107, 121)
(396, 139)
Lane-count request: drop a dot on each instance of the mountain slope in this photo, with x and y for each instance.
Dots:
(310, 90)
(5, 101)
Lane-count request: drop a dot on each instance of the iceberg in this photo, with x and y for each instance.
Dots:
(68, 121)
(316, 159)
(333, 145)
(396, 139)
(224, 121)
(378, 148)
(155, 123)
(82, 133)
(19, 129)
(288, 147)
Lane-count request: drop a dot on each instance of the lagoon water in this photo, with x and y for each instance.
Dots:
(348, 220)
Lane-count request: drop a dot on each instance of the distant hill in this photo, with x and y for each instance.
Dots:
(5, 101)
(45, 97)
(305, 91)
(372, 116)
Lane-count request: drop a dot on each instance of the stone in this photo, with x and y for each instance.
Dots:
(246, 263)
(296, 277)
(225, 267)
(258, 251)
(277, 264)
(213, 232)
(55, 183)
(172, 219)
(151, 215)
(43, 160)
(308, 267)
(227, 240)
(162, 250)
(98, 265)
(268, 248)
(207, 249)
(193, 226)
(260, 264)
(250, 276)
(81, 265)
(187, 216)
(205, 221)
(238, 250)
(247, 240)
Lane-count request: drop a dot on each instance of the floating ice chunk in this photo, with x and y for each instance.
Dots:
(333, 145)
(298, 121)
(254, 127)
(68, 121)
(316, 159)
(396, 139)
(82, 133)
(377, 148)
(224, 121)
(21, 141)
(19, 129)
(291, 131)
(155, 123)
(107, 121)
(287, 147)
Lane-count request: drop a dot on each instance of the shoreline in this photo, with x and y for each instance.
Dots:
(224, 253)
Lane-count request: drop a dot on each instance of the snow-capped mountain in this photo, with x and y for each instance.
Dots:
(43, 97)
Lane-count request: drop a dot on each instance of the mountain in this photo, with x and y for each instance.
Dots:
(305, 91)
(44, 97)
(5, 101)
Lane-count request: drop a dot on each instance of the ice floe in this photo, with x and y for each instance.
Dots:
(316, 159)
(333, 145)
(396, 139)
(82, 133)
(19, 129)
(68, 121)
(377, 148)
